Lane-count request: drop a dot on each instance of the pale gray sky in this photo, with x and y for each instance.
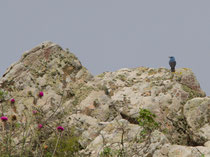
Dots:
(111, 34)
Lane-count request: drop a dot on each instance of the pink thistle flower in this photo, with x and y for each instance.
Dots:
(34, 112)
(12, 100)
(41, 94)
(4, 119)
(40, 126)
(60, 128)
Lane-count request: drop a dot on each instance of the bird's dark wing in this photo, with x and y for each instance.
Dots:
(172, 64)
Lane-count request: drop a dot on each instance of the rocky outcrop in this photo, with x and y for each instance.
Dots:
(48, 68)
(103, 110)
(197, 116)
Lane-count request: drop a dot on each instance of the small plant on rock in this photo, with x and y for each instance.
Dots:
(146, 120)
(63, 145)
(106, 152)
(3, 95)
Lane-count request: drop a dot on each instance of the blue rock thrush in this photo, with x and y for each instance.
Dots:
(172, 63)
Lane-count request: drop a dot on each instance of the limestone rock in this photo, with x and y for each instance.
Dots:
(114, 132)
(158, 90)
(52, 70)
(181, 151)
(197, 113)
(207, 144)
(102, 110)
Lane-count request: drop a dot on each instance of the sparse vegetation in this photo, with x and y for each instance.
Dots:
(3, 94)
(102, 75)
(192, 93)
(121, 77)
(81, 93)
(152, 72)
(42, 114)
(107, 152)
(147, 121)
(35, 133)
(67, 145)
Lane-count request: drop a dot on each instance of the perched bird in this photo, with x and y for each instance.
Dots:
(172, 63)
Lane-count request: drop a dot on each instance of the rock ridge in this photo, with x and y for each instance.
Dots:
(103, 110)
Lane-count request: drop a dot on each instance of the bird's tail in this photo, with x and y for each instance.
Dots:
(172, 69)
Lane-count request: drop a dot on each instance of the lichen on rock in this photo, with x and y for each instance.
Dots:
(102, 110)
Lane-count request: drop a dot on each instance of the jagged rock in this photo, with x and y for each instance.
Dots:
(97, 104)
(188, 79)
(102, 111)
(119, 134)
(181, 151)
(197, 113)
(158, 90)
(48, 68)
(207, 144)
(86, 126)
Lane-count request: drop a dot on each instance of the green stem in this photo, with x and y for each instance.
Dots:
(56, 145)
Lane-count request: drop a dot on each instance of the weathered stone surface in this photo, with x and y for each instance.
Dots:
(207, 144)
(181, 151)
(48, 68)
(189, 80)
(197, 113)
(158, 90)
(120, 134)
(102, 110)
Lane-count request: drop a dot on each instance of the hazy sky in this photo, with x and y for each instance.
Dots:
(111, 34)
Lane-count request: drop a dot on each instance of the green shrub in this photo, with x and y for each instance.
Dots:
(68, 145)
(106, 152)
(2, 95)
(147, 121)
